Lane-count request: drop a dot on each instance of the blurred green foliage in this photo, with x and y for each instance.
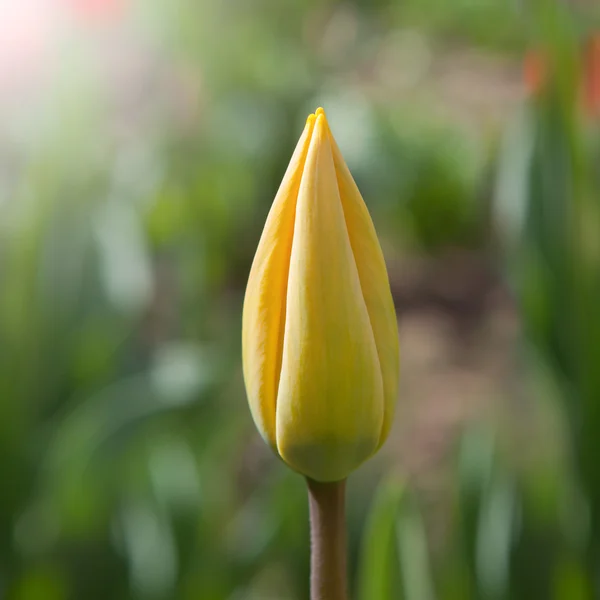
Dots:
(526, 519)
(138, 164)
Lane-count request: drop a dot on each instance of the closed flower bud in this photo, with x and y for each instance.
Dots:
(320, 339)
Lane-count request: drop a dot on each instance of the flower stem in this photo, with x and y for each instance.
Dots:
(328, 579)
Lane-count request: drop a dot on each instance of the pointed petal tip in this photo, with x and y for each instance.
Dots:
(318, 122)
(321, 125)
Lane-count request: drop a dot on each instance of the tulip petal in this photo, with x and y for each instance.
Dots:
(265, 300)
(374, 283)
(330, 401)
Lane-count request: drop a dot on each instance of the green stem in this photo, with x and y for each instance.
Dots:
(328, 578)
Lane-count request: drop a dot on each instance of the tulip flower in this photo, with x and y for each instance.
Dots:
(320, 341)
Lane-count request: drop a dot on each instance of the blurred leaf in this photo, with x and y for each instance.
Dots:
(495, 537)
(149, 546)
(376, 575)
(571, 582)
(42, 583)
(413, 551)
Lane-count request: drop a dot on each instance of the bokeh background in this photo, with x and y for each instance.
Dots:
(141, 146)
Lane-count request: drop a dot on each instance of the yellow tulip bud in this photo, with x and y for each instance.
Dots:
(320, 338)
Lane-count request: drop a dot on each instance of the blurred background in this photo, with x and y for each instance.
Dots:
(141, 146)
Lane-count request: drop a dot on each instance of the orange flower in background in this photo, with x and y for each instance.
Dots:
(592, 76)
(536, 74)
